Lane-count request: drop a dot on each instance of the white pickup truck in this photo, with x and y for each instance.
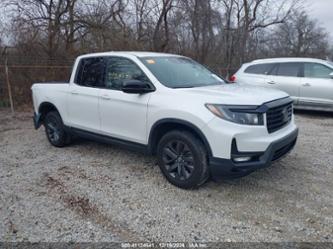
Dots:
(168, 105)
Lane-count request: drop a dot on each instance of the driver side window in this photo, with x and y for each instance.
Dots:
(119, 70)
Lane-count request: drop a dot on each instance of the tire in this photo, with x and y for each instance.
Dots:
(182, 159)
(55, 130)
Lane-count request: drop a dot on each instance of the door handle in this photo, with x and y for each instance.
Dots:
(306, 84)
(74, 93)
(106, 97)
(271, 82)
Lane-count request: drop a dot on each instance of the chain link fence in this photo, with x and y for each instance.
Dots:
(24, 71)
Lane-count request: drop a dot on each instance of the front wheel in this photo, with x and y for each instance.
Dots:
(55, 131)
(182, 159)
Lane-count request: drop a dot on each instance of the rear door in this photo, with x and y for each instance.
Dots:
(82, 103)
(317, 86)
(123, 115)
(286, 77)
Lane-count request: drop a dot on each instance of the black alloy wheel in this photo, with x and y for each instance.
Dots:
(182, 158)
(55, 130)
(178, 160)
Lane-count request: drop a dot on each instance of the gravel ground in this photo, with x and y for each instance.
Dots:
(96, 192)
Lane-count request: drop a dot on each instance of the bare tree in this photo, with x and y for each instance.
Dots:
(257, 14)
(202, 21)
(141, 10)
(71, 26)
(301, 36)
(99, 22)
(220, 33)
(45, 16)
(161, 27)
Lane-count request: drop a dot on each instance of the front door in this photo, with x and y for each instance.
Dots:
(123, 115)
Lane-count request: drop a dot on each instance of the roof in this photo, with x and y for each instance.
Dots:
(130, 53)
(288, 59)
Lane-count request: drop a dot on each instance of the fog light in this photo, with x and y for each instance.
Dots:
(242, 159)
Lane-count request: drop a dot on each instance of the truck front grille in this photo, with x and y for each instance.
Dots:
(278, 117)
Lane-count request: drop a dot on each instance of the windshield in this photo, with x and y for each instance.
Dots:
(180, 72)
(330, 62)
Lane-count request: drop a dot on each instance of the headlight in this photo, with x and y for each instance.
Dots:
(237, 114)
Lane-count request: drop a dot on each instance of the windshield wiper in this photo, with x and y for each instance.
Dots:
(199, 85)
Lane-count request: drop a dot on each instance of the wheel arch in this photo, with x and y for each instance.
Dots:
(163, 126)
(43, 109)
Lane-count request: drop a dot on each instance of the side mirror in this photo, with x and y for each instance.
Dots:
(136, 86)
(331, 75)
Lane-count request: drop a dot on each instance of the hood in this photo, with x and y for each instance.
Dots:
(235, 94)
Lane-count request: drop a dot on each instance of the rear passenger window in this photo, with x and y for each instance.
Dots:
(316, 70)
(291, 69)
(91, 72)
(259, 69)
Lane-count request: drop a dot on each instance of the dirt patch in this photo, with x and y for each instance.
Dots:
(84, 207)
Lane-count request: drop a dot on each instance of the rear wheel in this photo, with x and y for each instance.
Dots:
(55, 130)
(183, 159)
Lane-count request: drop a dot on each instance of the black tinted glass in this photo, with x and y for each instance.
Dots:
(119, 70)
(259, 69)
(291, 69)
(91, 72)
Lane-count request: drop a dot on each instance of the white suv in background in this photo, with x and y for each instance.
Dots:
(308, 81)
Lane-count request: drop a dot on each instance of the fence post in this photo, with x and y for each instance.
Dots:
(8, 82)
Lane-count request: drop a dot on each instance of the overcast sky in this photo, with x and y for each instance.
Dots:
(323, 11)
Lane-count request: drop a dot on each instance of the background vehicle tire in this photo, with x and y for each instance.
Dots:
(183, 159)
(55, 131)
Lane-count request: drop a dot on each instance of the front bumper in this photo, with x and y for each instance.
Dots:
(221, 168)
